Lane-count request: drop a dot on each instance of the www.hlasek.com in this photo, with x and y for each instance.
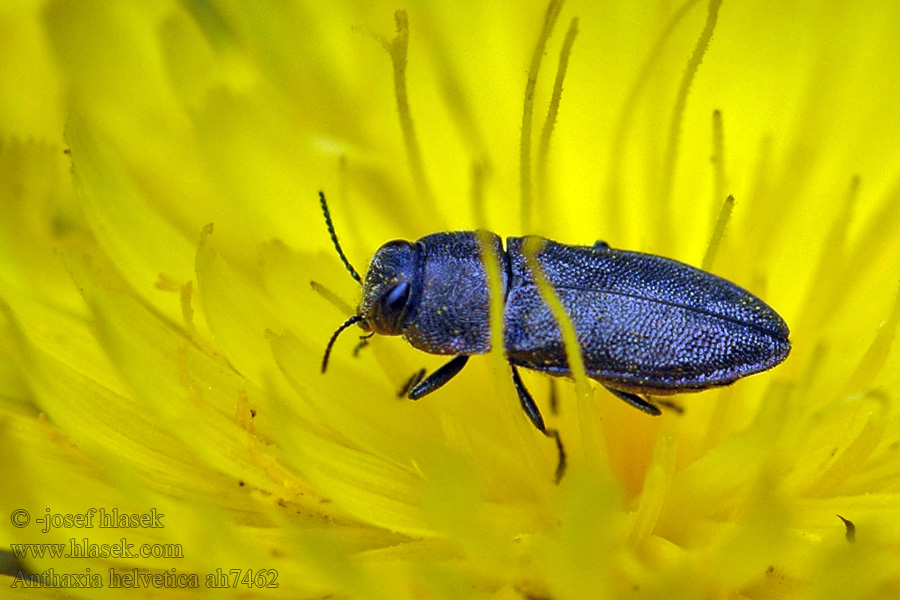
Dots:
(84, 548)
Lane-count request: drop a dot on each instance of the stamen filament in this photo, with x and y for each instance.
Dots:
(552, 14)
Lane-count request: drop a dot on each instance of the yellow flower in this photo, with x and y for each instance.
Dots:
(161, 341)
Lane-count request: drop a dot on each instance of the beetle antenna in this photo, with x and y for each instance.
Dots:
(337, 245)
(344, 325)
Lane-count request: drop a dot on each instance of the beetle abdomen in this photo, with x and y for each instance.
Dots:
(644, 323)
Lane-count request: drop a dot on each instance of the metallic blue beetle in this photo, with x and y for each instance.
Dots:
(645, 325)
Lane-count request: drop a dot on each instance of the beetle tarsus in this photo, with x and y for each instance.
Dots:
(413, 380)
(554, 397)
(670, 405)
(635, 401)
(537, 420)
(363, 342)
(561, 465)
(438, 378)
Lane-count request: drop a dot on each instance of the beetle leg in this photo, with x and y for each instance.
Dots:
(600, 245)
(412, 381)
(363, 342)
(669, 404)
(635, 400)
(537, 420)
(438, 378)
(554, 397)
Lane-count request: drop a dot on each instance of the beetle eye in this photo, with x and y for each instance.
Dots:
(396, 299)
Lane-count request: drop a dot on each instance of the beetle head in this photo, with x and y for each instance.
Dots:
(389, 288)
